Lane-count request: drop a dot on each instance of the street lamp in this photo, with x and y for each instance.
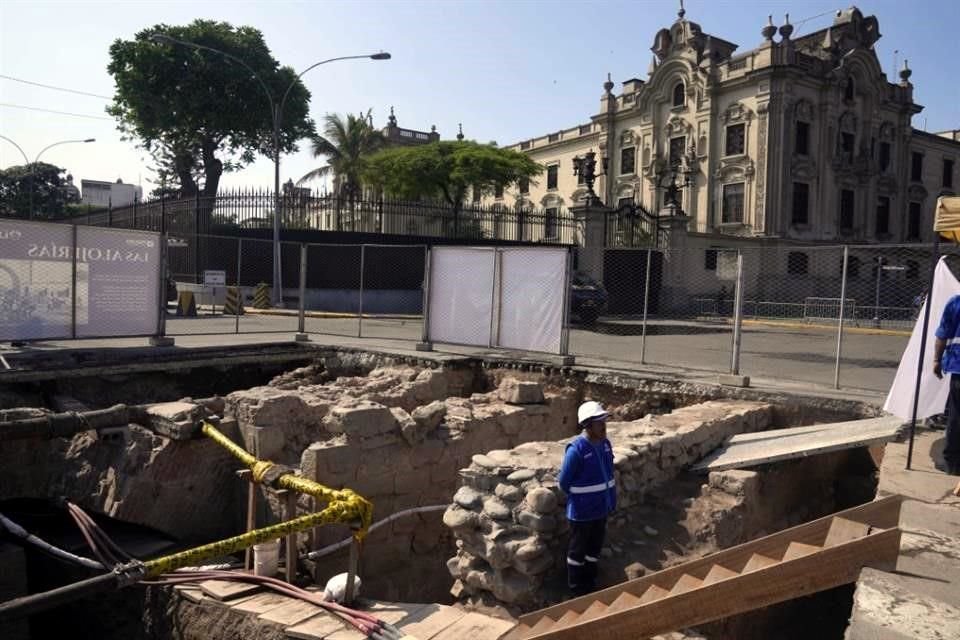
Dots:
(276, 111)
(37, 159)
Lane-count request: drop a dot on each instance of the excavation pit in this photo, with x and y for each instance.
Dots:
(467, 436)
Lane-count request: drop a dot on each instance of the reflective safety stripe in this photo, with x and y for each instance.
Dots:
(953, 341)
(573, 562)
(593, 488)
(590, 558)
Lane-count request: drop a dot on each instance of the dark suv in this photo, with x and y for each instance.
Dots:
(588, 298)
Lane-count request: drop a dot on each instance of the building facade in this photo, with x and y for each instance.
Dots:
(99, 193)
(801, 140)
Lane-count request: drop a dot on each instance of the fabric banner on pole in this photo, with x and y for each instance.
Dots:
(461, 294)
(933, 391)
(531, 295)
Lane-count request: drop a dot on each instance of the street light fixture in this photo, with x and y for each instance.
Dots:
(37, 159)
(276, 111)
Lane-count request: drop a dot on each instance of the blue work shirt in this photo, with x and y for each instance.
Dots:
(587, 478)
(949, 330)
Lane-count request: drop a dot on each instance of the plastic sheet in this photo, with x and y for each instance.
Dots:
(531, 298)
(461, 295)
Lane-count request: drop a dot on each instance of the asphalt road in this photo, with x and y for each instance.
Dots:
(802, 354)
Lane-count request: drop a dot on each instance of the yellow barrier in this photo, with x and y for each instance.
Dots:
(186, 304)
(233, 306)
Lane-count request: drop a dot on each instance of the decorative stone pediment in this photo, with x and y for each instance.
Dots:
(627, 138)
(579, 195)
(736, 112)
(677, 126)
(887, 131)
(848, 122)
(917, 192)
(803, 167)
(887, 184)
(804, 110)
(552, 200)
(734, 167)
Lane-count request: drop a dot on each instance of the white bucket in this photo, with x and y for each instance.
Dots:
(266, 558)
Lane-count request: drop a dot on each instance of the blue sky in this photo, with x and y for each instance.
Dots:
(506, 70)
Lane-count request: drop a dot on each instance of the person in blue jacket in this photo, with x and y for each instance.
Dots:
(587, 478)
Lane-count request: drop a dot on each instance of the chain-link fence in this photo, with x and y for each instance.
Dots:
(684, 314)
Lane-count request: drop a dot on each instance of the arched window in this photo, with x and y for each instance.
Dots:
(848, 89)
(679, 95)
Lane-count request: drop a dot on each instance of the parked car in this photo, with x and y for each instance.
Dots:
(588, 298)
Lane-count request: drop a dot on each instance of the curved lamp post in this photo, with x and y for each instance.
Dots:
(276, 111)
(37, 159)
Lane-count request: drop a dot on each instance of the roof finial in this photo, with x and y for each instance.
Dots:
(682, 11)
(653, 65)
(906, 72)
(460, 134)
(392, 120)
(786, 29)
(608, 85)
(769, 31)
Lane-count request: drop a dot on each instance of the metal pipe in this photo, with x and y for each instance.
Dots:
(843, 300)
(360, 314)
(737, 316)
(34, 603)
(425, 333)
(65, 425)
(923, 345)
(646, 301)
(301, 315)
(19, 532)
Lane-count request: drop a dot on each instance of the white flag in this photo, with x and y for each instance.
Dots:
(933, 392)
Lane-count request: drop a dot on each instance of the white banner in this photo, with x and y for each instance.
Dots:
(461, 295)
(531, 298)
(117, 285)
(36, 280)
(933, 391)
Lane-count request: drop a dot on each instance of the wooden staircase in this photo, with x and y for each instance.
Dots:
(796, 562)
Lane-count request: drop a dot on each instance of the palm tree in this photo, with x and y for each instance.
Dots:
(346, 143)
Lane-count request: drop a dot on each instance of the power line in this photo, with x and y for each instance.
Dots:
(50, 86)
(62, 113)
(819, 15)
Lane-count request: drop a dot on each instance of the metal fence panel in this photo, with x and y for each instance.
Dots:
(333, 289)
(392, 291)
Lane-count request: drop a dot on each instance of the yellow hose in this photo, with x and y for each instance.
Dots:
(335, 512)
(348, 504)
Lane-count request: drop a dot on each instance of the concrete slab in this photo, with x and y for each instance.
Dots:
(752, 449)
(920, 600)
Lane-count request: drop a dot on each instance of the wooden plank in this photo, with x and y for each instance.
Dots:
(595, 610)
(653, 593)
(475, 626)
(883, 513)
(823, 570)
(749, 450)
(315, 628)
(227, 590)
(427, 622)
(394, 612)
(291, 614)
(191, 592)
(262, 603)
(843, 530)
(624, 601)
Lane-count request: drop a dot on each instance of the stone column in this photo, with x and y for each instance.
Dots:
(674, 221)
(591, 218)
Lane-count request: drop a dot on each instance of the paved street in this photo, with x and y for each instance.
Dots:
(803, 354)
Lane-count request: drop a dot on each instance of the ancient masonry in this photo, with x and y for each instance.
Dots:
(508, 516)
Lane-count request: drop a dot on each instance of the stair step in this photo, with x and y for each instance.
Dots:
(718, 573)
(595, 610)
(798, 550)
(843, 530)
(686, 583)
(570, 617)
(653, 593)
(624, 601)
(543, 624)
(758, 561)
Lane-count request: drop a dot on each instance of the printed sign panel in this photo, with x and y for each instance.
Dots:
(36, 280)
(214, 278)
(118, 282)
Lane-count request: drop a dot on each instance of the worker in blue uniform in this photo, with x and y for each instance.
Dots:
(587, 478)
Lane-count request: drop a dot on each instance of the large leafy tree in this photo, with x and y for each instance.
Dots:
(347, 143)
(50, 195)
(448, 170)
(197, 109)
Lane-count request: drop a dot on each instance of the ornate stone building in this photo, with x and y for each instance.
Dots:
(800, 139)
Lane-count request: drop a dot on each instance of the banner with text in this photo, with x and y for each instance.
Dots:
(113, 289)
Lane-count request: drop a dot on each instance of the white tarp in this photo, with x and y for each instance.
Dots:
(117, 281)
(461, 295)
(933, 392)
(531, 298)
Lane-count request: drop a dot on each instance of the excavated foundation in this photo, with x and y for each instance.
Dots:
(483, 439)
